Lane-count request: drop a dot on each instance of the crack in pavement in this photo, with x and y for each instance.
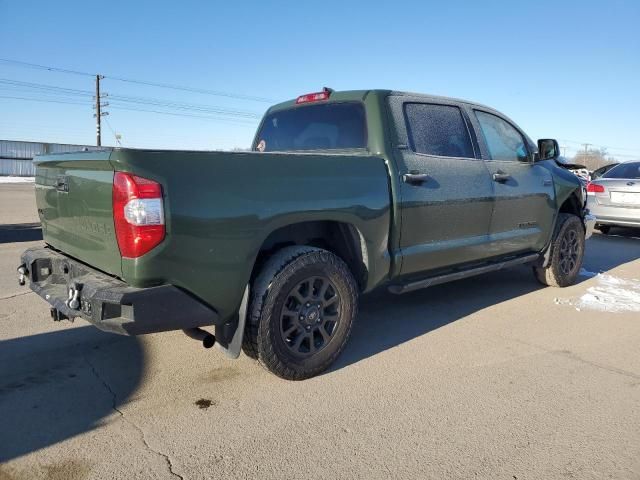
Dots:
(126, 419)
(572, 356)
(16, 295)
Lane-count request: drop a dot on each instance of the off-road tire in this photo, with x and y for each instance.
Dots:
(567, 252)
(270, 292)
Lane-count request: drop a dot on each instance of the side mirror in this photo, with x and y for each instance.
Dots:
(548, 149)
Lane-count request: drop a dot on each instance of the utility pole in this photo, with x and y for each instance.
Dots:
(99, 113)
(587, 158)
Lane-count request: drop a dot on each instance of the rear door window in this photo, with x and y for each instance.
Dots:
(503, 140)
(437, 130)
(327, 126)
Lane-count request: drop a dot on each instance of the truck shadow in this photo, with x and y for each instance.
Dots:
(20, 232)
(386, 320)
(54, 386)
(605, 252)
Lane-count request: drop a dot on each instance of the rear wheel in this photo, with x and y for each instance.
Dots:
(604, 229)
(567, 252)
(302, 308)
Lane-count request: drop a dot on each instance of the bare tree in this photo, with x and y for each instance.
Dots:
(593, 158)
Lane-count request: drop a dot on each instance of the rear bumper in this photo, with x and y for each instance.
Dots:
(77, 290)
(613, 215)
(622, 222)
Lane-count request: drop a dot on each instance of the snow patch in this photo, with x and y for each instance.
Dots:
(611, 294)
(586, 273)
(17, 179)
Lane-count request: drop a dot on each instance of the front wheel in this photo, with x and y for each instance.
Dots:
(567, 252)
(303, 305)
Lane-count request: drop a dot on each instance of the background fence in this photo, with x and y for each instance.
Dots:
(16, 157)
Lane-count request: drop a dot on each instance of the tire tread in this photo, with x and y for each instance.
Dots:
(273, 276)
(550, 275)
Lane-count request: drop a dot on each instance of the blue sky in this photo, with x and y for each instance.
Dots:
(563, 69)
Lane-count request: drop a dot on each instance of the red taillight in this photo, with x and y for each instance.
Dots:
(314, 97)
(595, 188)
(138, 214)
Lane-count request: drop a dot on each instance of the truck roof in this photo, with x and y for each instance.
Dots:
(359, 95)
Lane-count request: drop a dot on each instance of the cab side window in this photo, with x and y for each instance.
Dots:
(437, 130)
(503, 140)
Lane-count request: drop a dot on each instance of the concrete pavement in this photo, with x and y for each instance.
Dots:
(490, 377)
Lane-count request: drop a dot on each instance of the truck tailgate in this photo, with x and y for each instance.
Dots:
(74, 200)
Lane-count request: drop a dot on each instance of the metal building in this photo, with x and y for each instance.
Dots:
(16, 157)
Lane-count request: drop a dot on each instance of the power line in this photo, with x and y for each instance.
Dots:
(44, 67)
(44, 86)
(45, 100)
(204, 117)
(194, 90)
(597, 145)
(203, 91)
(117, 137)
(185, 106)
(38, 131)
(237, 121)
(70, 92)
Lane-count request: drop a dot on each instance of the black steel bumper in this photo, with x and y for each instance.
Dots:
(76, 290)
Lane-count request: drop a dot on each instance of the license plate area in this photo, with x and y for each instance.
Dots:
(625, 198)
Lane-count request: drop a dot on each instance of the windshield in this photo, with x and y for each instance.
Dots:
(327, 126)
(624, 170)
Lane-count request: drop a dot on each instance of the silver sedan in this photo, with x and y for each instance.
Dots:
(614, 198)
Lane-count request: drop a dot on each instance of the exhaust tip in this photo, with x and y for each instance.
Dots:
(208, 340)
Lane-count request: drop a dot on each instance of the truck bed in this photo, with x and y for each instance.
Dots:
(219, 208)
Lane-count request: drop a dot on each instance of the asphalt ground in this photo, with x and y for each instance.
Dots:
(492, 377)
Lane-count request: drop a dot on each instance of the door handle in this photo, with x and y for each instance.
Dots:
(501, 177)
(415, 178)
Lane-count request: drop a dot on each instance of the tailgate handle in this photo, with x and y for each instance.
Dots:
(62, 183)
(415, 178)
(501, 177)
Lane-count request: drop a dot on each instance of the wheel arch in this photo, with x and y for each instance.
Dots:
(572, 204)
(341, 238)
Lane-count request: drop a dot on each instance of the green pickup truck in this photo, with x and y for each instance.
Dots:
(344, 192)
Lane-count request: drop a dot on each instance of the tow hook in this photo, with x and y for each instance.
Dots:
(73, 302)
(22, 272)
(58, 316)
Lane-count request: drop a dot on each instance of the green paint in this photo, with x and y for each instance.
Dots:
(221, 206)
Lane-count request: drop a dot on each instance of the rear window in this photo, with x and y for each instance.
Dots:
(327, 126)
(624, 170)
(437, 130)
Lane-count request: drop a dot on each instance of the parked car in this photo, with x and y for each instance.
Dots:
(582, 173)
(614, 198)
(598, 172)
(344, 192)
(579, 171)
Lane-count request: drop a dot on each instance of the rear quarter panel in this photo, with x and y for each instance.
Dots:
(220, 207)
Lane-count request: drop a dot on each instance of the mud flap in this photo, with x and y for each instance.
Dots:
(235, 345)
